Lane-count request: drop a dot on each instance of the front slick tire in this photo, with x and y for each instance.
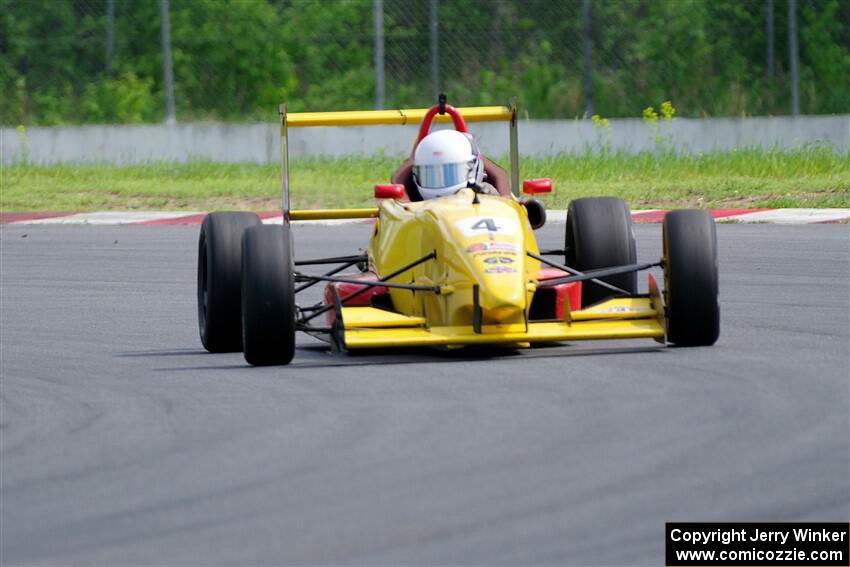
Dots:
(599, 235)
(268, 296)
(690, 278)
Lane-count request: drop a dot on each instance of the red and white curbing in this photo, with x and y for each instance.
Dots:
(771, 216)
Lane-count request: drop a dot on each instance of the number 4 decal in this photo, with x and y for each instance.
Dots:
(488, 224)
(476, 225)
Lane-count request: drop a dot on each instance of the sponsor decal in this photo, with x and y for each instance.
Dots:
(473, 226)
(494, 253)
(498, 260)
(619, 309)
(500, 270)
(493, 246)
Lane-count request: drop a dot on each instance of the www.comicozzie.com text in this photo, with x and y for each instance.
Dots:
(746, 555)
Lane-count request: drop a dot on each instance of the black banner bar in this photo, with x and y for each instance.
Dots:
(802, 544)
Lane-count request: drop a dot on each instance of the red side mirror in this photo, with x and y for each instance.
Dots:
(389, 191)
(535, 186)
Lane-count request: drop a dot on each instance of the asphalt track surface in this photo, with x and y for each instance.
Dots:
(123, 442)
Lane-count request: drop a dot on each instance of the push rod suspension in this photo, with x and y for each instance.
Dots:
(338, 260)
(370, 285)
(308, 328)
(603, 273)
(574, 272)
(328, 278)
(313, 281)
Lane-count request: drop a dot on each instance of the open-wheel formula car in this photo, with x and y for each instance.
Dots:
(463, 269)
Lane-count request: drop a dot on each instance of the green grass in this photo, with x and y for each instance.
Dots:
(809, 177)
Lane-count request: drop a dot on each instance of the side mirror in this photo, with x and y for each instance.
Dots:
(389, 191)
(536, 212)
(536, 186)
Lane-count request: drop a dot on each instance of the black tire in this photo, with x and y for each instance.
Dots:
(690, 278)
(268, 296)
(220, 279)
(599, 235)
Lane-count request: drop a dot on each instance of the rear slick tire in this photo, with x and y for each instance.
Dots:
(220, 279)
(599, 235)
(268, 296)
(691, 278)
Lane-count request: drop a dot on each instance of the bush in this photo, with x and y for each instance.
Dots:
(127, 99)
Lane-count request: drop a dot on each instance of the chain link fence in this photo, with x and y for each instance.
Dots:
(102, 61)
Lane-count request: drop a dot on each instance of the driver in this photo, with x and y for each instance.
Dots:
(446, 161)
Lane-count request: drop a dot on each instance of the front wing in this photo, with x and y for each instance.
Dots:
(617, 318)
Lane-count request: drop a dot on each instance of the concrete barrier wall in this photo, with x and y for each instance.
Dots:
(259, 143)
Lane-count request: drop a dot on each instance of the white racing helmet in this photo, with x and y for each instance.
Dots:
(446, 161)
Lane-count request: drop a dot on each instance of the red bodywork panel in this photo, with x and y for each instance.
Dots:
(564, 294)
(345, 289)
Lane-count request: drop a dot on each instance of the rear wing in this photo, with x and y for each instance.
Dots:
(402, 116)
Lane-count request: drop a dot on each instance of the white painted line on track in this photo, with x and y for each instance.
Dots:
(793, 216)
(110, 217)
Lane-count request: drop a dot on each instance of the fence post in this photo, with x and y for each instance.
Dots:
(435, 48)
(168, 74)
(588, 80)
(770, 63)
(378, 9)
(110, 35)
(793, 56)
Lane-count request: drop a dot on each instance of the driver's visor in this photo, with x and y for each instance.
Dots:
(442, 175)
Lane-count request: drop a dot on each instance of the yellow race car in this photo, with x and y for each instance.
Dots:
(463, 269)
